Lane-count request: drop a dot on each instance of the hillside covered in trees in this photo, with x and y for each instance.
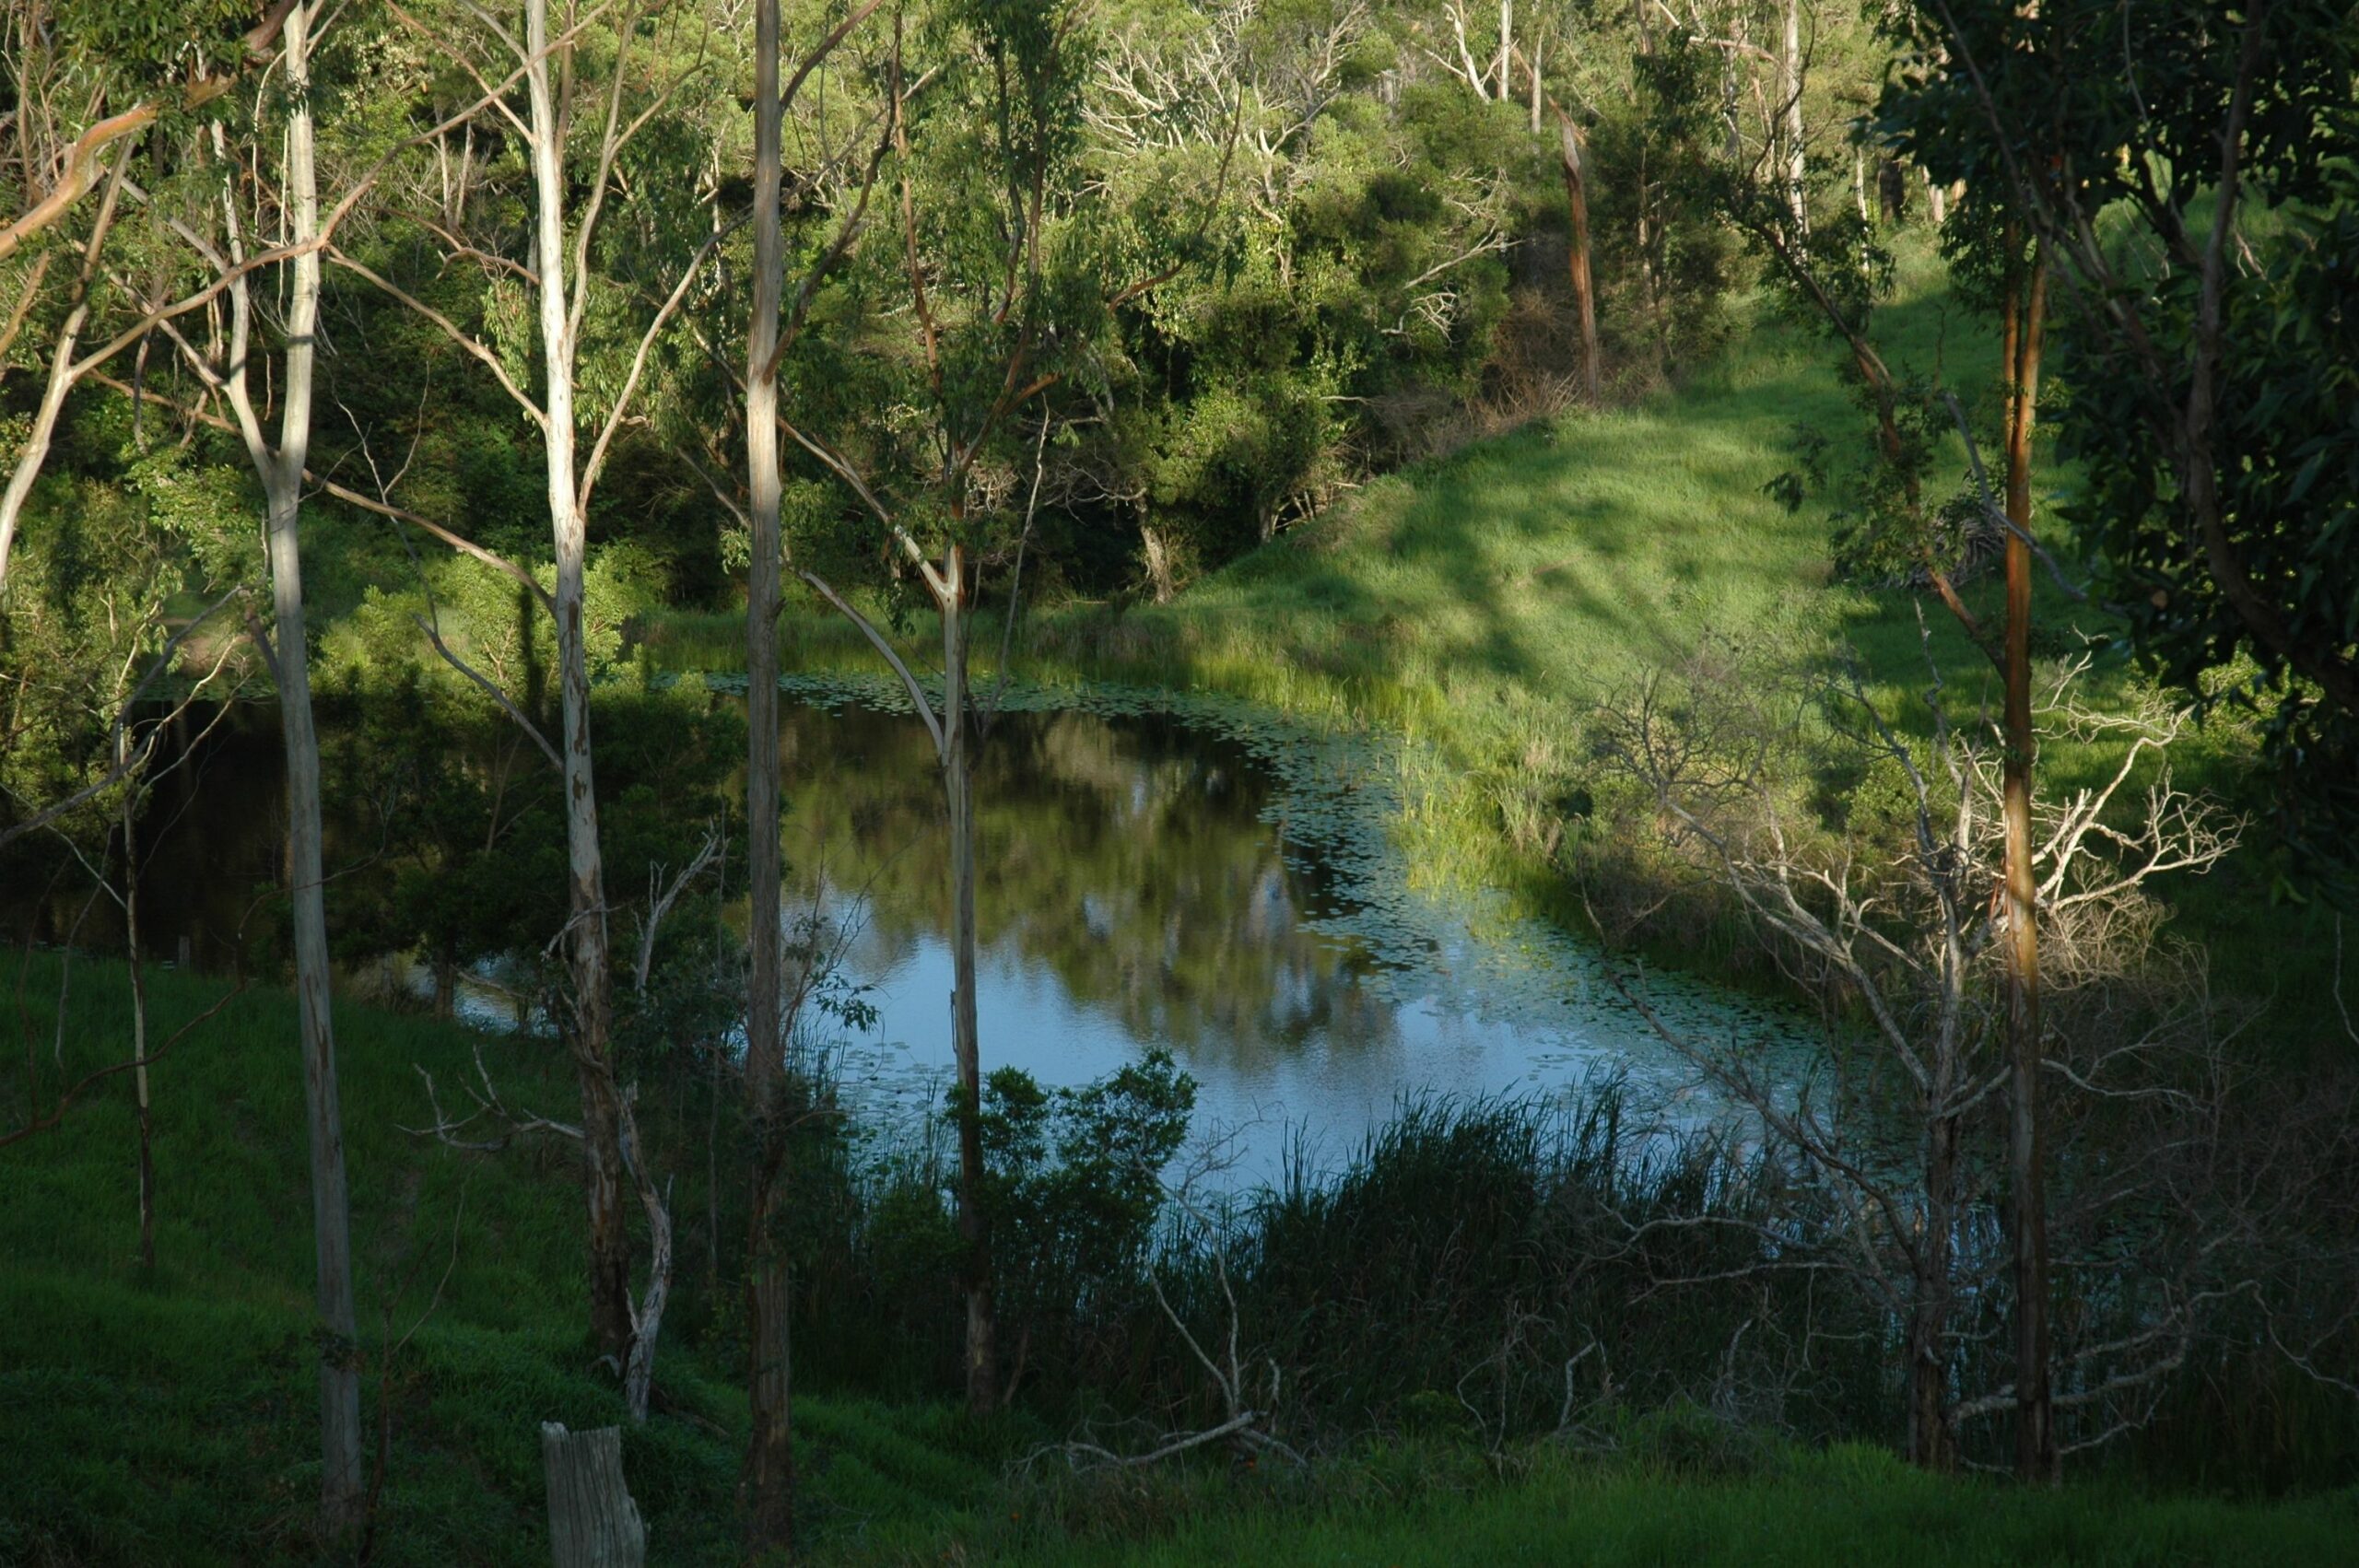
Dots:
(1146, 780)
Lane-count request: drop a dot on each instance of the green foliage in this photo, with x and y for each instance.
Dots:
(1075, 1186)
(465, 811)
(2111, 141)
(2290, 499)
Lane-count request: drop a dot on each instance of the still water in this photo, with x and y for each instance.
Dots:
(1184, 871)
(1155, 870)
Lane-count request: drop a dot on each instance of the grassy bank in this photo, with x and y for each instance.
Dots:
(169, 1417)
(1485, 603)
(1846, 1505)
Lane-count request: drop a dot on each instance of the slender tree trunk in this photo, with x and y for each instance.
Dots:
(591, 1041)
(647, 1314)
(768, 1481)
(1789, 82)
(34, 453)
(1931, 1444)
(131, 798)
(1648, 274)
(958, 794)
(1577, 252)
(1539, 48)
(2036, 1454)
(281, 472)
(1506, 44)
(1735, 148)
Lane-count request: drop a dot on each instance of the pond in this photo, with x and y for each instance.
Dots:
(1155, 870)
(1180, 871)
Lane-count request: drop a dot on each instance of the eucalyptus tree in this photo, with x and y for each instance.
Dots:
(152, 34)
(1891, 908)
(2207, 394)
(565, 329)
(89, 82)
(915, 419)
(768, 1484)
(1836, 268)
(279, 465)
(2187, 171)
(1998, 260)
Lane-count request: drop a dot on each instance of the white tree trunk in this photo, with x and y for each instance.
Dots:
(769, 1457)
(603, 1174)
(131, 796)
(281, 472)
(1538, 50)
(1789, 71)
(35, 451)
(958, 796)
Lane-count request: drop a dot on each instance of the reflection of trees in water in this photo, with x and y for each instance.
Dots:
(1128, 856)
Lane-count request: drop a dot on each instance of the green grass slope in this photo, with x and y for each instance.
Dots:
(171, 1417)
(1849, 1507)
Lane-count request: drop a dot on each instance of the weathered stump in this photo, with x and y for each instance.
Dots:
(593, 1521)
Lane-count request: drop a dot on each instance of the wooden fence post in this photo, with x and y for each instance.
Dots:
(593, 1522)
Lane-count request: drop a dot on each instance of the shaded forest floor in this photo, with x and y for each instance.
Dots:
(170, 1417)
(1487, 603)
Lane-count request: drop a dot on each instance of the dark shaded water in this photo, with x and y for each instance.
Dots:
(1154, 871)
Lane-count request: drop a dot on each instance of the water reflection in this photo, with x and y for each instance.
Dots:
(1155, 870)
(1183, 875)
(1127, 863)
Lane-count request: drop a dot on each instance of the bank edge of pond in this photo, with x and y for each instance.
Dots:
(1382, 809)
(1445, 815)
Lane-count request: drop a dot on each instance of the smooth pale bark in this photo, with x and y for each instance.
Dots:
(34, 453)
(1506, 43)
(281, 472)
(1789, 83)
(768, 1486)
(587, 945)
(958, 796)
(2036, 1454)
(954, 734)
(1538, 65)
(62, 373)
